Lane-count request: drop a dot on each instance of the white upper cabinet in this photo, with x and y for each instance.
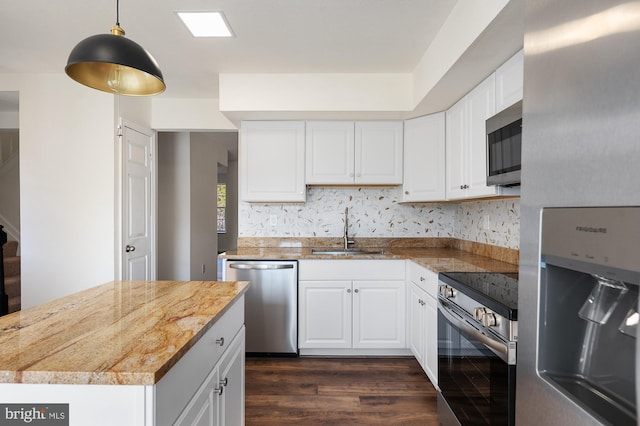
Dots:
(347, 153)
(330, 150)
(424, 159)
(509, 81)
(379, 146)
(480, 106)
(271, 157)
(466, 151)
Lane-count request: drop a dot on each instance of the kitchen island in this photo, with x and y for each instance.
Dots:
(129, 352)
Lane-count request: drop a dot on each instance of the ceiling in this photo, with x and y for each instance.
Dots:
(283, 36)
(270, 36)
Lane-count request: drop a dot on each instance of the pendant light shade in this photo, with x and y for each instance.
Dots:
(115, 64)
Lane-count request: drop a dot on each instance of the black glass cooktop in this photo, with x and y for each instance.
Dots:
(496, 291)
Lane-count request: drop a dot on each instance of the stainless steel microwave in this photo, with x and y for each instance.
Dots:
(504, 146)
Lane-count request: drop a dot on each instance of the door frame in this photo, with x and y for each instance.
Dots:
(119, 237)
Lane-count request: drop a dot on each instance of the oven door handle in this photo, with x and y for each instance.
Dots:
(505, 350)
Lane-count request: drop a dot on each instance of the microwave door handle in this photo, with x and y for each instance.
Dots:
(499, 348)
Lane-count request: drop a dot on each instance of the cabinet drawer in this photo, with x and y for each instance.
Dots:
(424, 278)
(348, 269)
(176, 388)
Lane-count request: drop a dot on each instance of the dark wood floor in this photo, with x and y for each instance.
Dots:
(339, 391)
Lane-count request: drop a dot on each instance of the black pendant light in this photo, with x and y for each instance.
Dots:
(115, 64)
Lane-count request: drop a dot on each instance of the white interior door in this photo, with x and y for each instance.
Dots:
(138, 197)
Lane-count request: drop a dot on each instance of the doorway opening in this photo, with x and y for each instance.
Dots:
(191, 165)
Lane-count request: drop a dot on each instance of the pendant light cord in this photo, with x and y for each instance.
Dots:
(118, 12)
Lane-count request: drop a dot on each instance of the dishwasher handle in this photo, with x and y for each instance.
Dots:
(260, 266)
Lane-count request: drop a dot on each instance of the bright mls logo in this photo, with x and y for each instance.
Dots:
(34, 414)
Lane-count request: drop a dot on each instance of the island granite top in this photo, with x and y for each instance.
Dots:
(120, 333)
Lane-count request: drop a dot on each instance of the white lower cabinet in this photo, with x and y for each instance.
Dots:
(416, 316)
(324, 314)
(351, 304)
(220, 399)
(206, 387)
(422, 318)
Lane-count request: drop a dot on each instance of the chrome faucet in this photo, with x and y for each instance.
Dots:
(345, 237)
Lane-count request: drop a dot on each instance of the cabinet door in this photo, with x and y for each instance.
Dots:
(329, 151)
(424, 159)
(232, 382)
(416, 322)
(378, 152)
(203, 409)
(455, 151)
(480, 106)
(324, 314)
(509, 82)
(272, 161)
(379, 314)
(430, 364)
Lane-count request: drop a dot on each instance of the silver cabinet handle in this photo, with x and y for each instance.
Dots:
(356, 290)
(224, 382)
(129, 248)
(219, 390)
(220, 341)
(348, 290)
(422, 278)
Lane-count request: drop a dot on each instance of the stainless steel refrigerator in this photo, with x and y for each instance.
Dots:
(581, 148)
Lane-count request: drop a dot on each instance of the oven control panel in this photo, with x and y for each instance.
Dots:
(481, 314)
(447, 291)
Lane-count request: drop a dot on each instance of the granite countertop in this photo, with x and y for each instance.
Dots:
(436, 259)
(122, 332)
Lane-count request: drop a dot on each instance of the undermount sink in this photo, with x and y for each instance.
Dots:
(346, 252)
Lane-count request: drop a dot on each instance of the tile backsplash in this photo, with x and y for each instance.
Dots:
(377, 212)
(495, 222)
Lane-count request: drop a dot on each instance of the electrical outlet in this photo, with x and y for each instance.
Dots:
(273, 220)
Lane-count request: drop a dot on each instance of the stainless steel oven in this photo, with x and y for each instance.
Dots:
(477, 335)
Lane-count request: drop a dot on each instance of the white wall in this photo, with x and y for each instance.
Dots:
(188, 115)
(204, 180)
(9, 119)
(315, 92)
(66, 185)
(174, 194)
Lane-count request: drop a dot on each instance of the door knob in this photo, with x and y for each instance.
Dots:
(129, 248)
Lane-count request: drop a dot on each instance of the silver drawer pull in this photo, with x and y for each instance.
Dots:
(220, 341)
(224, 382)
(219, 390)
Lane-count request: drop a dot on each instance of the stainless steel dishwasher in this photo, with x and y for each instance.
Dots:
(271, 304)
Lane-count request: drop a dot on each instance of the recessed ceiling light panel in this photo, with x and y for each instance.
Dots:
(206, 24)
